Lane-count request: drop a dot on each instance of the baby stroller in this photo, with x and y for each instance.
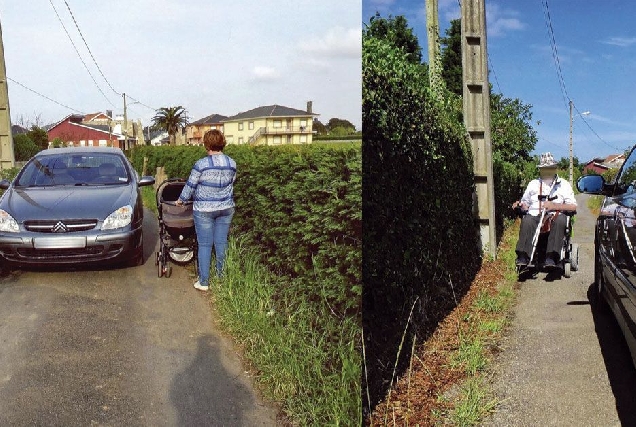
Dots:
(177, 237)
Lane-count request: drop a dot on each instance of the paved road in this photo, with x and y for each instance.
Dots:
(562, 363)
(118, 347)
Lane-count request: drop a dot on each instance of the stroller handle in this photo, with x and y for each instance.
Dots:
(174, 203)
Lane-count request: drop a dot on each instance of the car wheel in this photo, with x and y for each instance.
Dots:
(567, 269)
(597, 298)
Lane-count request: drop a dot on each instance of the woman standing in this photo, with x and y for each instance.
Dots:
(211, 184)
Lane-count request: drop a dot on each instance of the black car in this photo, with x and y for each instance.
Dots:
(73, 205)
(614, 244)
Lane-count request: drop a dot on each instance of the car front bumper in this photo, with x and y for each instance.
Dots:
(69, 248)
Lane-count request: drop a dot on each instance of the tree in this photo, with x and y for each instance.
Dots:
(512, 134)
(319, 127)
(341, 123)
(451, 57)
(23, 147)
(171, 119)
(396, 31)
(39, 137)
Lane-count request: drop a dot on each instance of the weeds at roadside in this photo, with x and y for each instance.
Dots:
(313, 368)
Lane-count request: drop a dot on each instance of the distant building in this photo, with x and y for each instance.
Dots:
(600, 165)
(270, 125)
(196, 130)
(97, 129)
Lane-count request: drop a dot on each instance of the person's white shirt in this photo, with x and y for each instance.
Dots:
(558, 187)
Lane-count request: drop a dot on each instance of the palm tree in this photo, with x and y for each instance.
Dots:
(171, 119)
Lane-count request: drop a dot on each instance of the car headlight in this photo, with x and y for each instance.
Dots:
(7, 223)
(118, 219)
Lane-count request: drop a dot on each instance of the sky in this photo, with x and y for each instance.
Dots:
(211, 57)
(594, 48)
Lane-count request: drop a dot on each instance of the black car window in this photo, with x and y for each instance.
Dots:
(76, 169)
(627, 179)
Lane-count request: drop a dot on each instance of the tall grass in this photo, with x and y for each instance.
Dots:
(306, 356)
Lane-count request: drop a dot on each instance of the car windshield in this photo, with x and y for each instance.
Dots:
(73, 169)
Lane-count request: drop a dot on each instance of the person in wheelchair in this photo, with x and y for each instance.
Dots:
(544, 200)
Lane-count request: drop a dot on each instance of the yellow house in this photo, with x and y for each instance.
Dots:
(270, 125)
(196, 130)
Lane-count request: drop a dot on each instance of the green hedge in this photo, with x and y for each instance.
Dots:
(421, 241)
(301, 205)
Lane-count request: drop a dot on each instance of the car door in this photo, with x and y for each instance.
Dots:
(619, 224)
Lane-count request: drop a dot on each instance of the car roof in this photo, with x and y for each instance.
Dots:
(80, 150)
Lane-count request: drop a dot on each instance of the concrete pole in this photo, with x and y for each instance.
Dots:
(476, 107)
(7, 158)
(125, 124)
(432, 32)
(571, 149)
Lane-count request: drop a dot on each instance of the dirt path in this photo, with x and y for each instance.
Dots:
(563, 364)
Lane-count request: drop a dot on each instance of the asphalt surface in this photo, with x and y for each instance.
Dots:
(119, 346)
(564, 364)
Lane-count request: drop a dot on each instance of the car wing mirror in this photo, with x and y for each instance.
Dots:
(4, 184)
(146, 180)
(593, 184)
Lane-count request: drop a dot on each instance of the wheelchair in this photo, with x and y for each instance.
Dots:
(569, 256)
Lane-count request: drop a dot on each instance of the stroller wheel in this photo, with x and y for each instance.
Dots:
(168, 271)
(157, 258)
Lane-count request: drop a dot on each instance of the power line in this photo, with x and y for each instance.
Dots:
(95, 61)
(80, 56)
(44, 96)
(555, 52)
(492, 68)
(88, 48)
(593, 131)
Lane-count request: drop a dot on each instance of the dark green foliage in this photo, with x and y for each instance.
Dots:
(301, 205)
(395, 30)
(451, 57)
(23, 147)
(421, 243)
(39, 137)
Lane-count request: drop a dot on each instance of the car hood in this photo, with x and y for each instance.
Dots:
(95, 202)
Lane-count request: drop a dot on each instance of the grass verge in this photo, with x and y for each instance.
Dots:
(594, 203)
(305, 356)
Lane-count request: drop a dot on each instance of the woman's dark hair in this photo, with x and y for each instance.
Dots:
(214, 140)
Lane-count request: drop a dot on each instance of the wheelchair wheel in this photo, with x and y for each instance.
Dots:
(574, 257)
(567, 269)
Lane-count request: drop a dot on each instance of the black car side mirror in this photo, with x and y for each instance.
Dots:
(4, 184)
(592, 184)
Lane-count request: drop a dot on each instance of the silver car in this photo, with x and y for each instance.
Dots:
(73, 205)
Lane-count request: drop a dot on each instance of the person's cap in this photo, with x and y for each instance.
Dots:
(547, 161)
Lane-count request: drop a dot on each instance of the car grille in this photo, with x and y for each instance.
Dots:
(60, 226)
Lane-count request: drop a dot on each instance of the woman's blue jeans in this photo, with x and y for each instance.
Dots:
(212, 229)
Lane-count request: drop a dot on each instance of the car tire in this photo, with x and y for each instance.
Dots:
(597, 300)
(567, 269)
(138, 255)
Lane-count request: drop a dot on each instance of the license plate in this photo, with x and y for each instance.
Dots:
(59, 242)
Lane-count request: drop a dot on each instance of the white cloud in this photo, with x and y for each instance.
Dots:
(263, 73)
(620, 41)
(336, 42)
(501, 21)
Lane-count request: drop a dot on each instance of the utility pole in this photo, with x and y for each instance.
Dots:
(476, 107)
(125, 124)
(571, 150)
(432, 32)
(7, 158)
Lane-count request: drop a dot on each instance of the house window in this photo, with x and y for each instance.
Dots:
(229, 139)
(240, 126)
(303, 123)
(277, 139)
(240, 140)
(90, 143)
(303, 139)
(250, 125)
(82, 143)
(102, 143)
(278, 124)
